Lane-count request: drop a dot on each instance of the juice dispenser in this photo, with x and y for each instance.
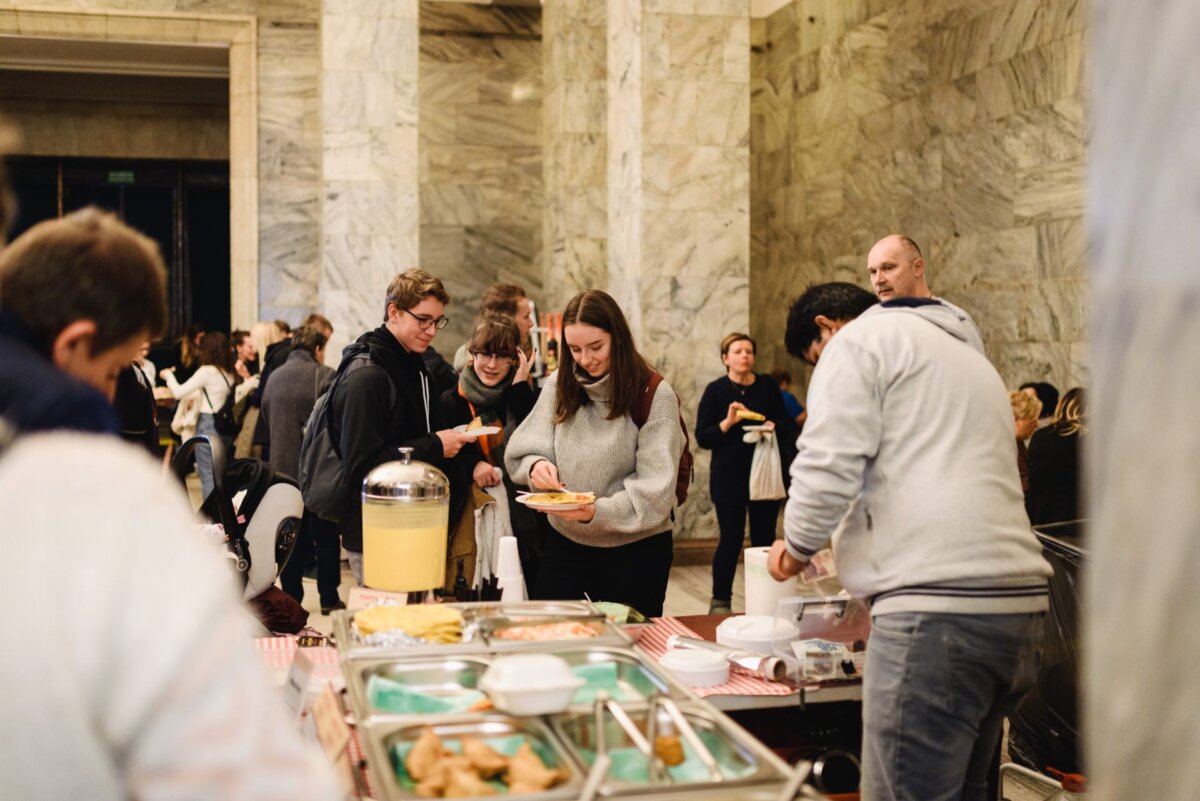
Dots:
(405, 513)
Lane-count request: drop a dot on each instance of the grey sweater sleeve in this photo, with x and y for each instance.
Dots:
(534, 438)
(648, 495)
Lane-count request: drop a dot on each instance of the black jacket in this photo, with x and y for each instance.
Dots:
(729, 478)
(135, 406)
(275, 357)
(369, 430)
(37, 396)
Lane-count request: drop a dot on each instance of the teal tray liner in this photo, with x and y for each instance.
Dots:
(506, 745)
(629, 765)
(395, 697)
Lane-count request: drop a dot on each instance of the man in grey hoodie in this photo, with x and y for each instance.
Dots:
(907, 461)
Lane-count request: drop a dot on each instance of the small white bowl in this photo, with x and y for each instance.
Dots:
(696, 668)
(530, 684)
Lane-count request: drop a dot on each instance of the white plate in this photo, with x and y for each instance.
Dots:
(544, 507)
(475, 433)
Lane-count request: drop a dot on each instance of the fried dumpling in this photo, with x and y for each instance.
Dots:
(486, 760)
(426, 751)
(465, 783)
(526, 769)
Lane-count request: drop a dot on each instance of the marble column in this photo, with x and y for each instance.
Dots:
(1140, 608)
(575, 225)
(694, 253)
(648, 180)
(369, 100)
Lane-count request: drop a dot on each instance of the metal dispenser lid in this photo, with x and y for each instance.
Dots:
(406, 480)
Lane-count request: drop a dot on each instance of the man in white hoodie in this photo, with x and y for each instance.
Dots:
(908, 462)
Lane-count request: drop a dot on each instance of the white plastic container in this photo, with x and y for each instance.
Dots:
(762, 634)
(696, 668)
(530, 684)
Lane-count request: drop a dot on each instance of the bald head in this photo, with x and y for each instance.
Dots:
(897, 269)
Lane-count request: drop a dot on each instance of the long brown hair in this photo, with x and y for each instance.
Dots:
(215, 350)
(628, 371)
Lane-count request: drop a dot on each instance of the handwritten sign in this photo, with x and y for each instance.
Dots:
(365, 596)
(332, 730)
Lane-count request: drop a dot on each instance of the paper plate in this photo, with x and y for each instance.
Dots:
(476, 433)
(532, 502)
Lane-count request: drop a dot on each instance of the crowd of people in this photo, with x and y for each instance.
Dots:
(903, 405)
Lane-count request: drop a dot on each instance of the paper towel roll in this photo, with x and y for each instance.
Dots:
(762, 591)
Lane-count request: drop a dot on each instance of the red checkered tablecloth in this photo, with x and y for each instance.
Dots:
(654, 642)
(277, 653)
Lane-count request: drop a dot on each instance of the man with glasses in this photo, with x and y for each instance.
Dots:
(908, 462)
(390, 402)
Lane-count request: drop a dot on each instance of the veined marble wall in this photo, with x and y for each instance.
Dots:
(959, 122)
(648, 180)
(694, 277)
(480, 141)
(120, 130)
(368, 66)
(575, 114)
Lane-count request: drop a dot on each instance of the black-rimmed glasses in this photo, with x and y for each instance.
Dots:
(425, 323)
(488, 358)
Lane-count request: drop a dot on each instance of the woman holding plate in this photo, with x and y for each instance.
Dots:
(722, 425)
(581, 437)
(494, 388)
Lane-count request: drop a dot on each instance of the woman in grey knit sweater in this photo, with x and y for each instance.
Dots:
(581, 436)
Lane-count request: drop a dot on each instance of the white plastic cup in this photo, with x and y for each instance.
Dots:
(763, 593)
(508, 562)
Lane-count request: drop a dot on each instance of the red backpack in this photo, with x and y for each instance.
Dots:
(641, 412)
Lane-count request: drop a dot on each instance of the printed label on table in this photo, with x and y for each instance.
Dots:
(298, 679)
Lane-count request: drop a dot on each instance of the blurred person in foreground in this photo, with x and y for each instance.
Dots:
(136, 677)
(79, 296)
(907, 461)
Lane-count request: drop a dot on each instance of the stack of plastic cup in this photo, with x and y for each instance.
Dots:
(509, 577)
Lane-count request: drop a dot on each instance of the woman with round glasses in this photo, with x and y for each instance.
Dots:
(581, 434)
(493, 386)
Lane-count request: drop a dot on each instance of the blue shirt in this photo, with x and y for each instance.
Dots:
(37, 396)
(792, 406)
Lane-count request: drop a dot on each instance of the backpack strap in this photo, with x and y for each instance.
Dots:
(361, 354)
(641, 410)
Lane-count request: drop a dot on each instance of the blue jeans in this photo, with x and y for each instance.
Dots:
(936, 689)
(204, 466)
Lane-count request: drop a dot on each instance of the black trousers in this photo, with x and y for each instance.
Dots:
(635, 574)
(321, 536)
(731, 522)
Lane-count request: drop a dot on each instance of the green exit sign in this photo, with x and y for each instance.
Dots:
(120, 176)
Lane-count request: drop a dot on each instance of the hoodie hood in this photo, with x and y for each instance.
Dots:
(946, 316)
(387, 351)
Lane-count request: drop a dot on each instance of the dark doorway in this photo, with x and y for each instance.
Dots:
(181, 205)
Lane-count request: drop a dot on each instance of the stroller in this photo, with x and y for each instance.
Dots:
(262, 532)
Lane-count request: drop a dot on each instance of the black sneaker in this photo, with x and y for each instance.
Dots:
(328, 610)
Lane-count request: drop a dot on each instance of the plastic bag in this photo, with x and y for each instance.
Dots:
(766, 472)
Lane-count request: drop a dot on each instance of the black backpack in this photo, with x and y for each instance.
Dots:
(322, 476)
(227, 422)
